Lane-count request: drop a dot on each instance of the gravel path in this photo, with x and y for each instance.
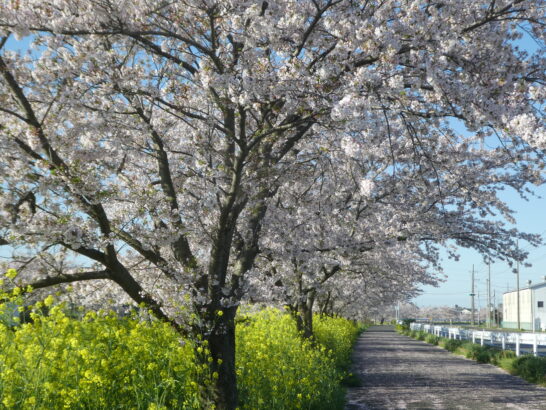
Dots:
(398, 372)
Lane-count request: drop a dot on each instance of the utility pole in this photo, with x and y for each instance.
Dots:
(479, 308)
(495, 313)
(489, 293)
(517, 274)
(532, 306)
(487, 306)
(472, 294)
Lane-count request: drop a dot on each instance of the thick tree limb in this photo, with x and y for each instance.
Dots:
(68, 278)
(60, 279)
(94, 254)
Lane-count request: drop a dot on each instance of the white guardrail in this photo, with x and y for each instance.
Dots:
(534, 343)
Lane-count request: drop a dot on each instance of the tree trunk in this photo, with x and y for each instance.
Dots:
(302, 313)
(307, 314)
(295, 313)
(324, 303)
(222, 346)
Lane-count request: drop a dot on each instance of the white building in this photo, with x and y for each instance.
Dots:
(532, 309)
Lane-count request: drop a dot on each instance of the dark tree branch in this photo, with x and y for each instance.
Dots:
(329, 273)
(67, 278)
(90, 253)
(293, 140)
(3, 41)
(95, 210)
(15, 114)
(313, 24)
(60, 279)
(492, 16)
(180, 247)
(157, 49)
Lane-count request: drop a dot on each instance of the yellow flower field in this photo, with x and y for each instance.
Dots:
(103, 361)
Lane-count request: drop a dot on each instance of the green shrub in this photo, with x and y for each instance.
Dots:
(532, 369)
(352, 380)
(416, 334)
(405, 325)
(507, 354)
(421, 335)
(432, 339)
(452, 344)
(482, 354)
(503, 358)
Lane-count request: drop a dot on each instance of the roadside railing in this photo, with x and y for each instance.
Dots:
(521, 343)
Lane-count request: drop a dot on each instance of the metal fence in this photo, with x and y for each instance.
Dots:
(521, 343)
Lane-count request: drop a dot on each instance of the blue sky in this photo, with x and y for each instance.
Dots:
(530, 218)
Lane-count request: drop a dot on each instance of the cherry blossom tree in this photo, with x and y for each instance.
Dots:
(151, 137)
(333, 218)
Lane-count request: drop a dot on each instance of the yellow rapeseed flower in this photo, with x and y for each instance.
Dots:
(8, 401)
(49, 300)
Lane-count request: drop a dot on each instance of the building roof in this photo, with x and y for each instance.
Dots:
(535, 286)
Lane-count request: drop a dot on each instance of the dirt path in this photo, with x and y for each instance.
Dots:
(398, 372)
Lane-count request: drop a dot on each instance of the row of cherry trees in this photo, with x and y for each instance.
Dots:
(190, 155)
